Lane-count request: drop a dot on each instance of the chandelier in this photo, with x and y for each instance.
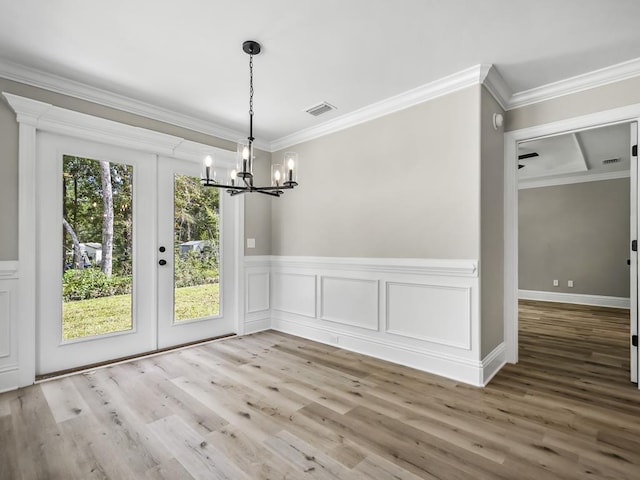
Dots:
(240, 180)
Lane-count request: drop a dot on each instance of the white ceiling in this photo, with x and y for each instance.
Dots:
(577, 155)
(185, 56)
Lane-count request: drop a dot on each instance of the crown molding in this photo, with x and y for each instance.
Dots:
(571, 179)
(65, 86)
(497, 87)
(485, 74)
(579, 83)
(46, 117)
(452, 83)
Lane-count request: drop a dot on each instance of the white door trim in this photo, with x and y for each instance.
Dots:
(34, 116)
(630, 113)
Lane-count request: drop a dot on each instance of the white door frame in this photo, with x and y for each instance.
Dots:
(34, 116)
(627, 114)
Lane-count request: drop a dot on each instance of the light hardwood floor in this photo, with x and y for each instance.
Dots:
(274, 406)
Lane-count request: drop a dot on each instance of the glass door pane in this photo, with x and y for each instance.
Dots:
(196, 249)
(194, 256)
(97, 244)
(95, 236)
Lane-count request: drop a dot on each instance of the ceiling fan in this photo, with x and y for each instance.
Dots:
(524, 156)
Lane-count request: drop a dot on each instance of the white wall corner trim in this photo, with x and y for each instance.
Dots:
(471, 76)
(498, 88)
(577, 298)
(579, 83)
(492, 363)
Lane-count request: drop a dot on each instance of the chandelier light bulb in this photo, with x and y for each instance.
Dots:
(245, 153)
(208, 161)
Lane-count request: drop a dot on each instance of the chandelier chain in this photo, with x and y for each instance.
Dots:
(251, 85)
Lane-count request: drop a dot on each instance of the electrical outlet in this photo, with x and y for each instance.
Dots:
(570, 284)
(251, 243)
(555, 283)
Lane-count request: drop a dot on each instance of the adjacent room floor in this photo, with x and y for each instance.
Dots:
(274, 406)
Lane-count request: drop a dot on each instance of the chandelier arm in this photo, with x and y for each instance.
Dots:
(264, 192)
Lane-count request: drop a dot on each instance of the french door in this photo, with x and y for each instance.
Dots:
(132, 254)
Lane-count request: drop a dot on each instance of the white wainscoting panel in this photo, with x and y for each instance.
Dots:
(5, 322)
(434, 313)
(423, 313)
(294, 293)
(350, 301)
(9, 368)
(257, 292)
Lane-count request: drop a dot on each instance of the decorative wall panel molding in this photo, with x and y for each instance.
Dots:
(350, 301)
(434, 313)
(423, 313)
(9, 370)
(294, 293)
(257, 291)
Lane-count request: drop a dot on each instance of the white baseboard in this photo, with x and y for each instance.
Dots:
(254, 326)
(9, 379)
(578, 298)
(456, 368)
(492, 363)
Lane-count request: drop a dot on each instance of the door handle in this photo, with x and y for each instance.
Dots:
(162, 261)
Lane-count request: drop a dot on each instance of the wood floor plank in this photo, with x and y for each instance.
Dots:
(274, 406)
(200, 458)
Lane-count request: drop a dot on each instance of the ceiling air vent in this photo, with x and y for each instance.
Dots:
(320, 109)
(610, 161)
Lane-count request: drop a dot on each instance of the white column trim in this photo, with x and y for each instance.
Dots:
(26, 251)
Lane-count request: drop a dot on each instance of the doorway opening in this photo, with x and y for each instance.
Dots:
(521, 155)
(573, 252)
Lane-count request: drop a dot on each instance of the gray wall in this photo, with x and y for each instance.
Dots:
(257, 217)
(491, 227)
(257, 209)
(576, 232)
(404, 185)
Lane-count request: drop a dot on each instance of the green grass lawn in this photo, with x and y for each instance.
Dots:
(97, 316)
